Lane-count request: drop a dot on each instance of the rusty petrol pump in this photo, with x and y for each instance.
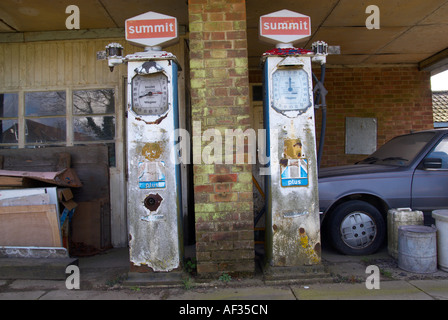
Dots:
(153, 188)
(292, 206)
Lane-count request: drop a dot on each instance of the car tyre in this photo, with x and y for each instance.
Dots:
(356, 228)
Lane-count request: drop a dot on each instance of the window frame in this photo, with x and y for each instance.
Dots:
(69, 118)
(16, 118)
(100, 114)
(443, 141)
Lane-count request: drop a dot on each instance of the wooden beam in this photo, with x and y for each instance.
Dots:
(8, 37)
(436, 63)
(61, 35)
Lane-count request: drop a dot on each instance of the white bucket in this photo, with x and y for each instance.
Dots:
(417, 249)
(441, 217)
(396, 218)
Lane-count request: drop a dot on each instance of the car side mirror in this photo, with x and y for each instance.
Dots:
(432, 163)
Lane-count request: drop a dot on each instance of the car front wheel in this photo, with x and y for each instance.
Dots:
(356, 228)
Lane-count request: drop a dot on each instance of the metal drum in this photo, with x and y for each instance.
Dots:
(417, 249)
(441, 217)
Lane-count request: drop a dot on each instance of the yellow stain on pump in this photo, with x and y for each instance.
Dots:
(152, 151)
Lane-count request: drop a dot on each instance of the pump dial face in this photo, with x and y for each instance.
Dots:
(291, 90)
(150, 94)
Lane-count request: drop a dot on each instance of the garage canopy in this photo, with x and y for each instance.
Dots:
(411, 31)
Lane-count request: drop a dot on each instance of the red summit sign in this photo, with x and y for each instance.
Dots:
(151, 29)
(284, 26)
(157, 28)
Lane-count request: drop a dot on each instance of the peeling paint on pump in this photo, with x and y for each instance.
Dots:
(153, 186)
(152, 151)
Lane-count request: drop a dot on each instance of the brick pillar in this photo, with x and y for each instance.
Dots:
(220, 101)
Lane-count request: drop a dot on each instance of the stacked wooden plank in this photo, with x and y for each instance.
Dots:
(30, 217)
(31, 241)
(90, 228)
(36, 203)
(65, 178)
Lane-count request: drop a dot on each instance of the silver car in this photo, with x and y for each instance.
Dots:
(409, 171)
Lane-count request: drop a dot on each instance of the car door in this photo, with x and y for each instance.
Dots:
(430, 185)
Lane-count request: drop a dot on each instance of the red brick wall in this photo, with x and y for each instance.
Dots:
(398, 97)
(220, 100)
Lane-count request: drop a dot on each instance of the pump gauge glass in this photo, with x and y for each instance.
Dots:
(150, 94)
(291, 90)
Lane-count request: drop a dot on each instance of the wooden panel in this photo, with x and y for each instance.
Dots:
(58, 63)
(47, 64)
(11, 182)
(30, 226)
(86, 225)
(61, 63)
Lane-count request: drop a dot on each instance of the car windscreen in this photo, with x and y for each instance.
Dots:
(400, 151)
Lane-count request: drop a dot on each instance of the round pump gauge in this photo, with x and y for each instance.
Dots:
(150, 94)
(291, 90)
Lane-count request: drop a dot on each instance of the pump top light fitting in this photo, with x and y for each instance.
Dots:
(114, 55)
(320, 49)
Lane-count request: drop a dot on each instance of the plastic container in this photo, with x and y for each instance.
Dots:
(396, 218)
(441, 217)
(417, 249)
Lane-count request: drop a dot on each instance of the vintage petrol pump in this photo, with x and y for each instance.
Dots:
(292, 208)
(153, 186)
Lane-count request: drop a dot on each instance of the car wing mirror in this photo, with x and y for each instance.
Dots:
(432, 163)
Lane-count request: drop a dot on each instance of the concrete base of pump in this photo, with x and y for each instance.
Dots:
(296, 275)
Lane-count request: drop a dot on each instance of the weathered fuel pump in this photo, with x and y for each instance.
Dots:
(292, 207)
(154, 195)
